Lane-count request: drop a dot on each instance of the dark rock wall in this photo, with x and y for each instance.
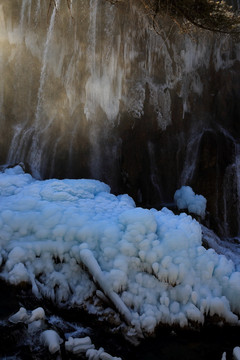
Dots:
(102, 95)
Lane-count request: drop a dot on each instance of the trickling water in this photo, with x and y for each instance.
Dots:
(16, 144)
(70, 156)
(190, 160)
(38, 7)
(24, 5)
(153, 169)
(29, 10)
(90, 107)
(36, 149)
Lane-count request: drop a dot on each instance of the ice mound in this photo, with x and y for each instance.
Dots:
(73, 241)
(185, 198)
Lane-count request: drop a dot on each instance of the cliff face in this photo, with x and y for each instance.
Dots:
(96, 93)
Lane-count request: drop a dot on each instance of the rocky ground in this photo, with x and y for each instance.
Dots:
(16, 342)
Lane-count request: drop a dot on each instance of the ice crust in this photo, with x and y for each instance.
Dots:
(72, 238)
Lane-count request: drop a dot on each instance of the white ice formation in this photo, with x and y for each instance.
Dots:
(185, 198)
(51, 340)
(20, 316)
(37, 314)
(27, 317)
(72, 240)
(79, 345)
(224, 356)
(100, 354)
(236, 353)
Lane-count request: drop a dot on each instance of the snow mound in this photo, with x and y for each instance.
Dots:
(185, 198)
(72, 240)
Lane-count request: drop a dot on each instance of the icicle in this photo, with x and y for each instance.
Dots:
(93, 267)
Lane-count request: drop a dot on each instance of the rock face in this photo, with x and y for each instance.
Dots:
(96, 93)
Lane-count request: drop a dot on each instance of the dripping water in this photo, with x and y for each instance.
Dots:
(190, 160)
(24, 133)
(153, 170)
(36, 149)
(54, 155)
(37, 11)
(23, 8)
(44, 68)
(70, 153)
(29, 10)
(95, 161)
(21, 134)
(16, 144)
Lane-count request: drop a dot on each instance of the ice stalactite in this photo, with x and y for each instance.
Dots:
(94, 269)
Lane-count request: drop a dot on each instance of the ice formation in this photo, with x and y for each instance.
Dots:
(52, 340)
(72, 240)
(22, 316)
(78, 345)
(224, 356)
(37, 314)
(100, 354)
(236, 353)
(185, 198)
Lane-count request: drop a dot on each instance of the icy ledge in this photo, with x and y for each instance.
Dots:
(76, 243)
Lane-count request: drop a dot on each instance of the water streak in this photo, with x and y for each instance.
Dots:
(36, 148)
(38, 7)
(90, 105)
(23, 8)
(190, 159)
